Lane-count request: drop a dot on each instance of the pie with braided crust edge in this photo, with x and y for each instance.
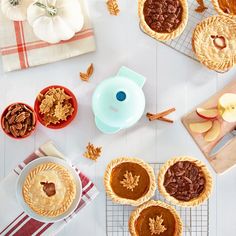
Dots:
(121, 200)
(136, 213)
(205, 194)
(64, 189)
(203, 46)
(163, 36)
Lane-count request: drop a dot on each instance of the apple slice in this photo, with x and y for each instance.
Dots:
(207, 113)
(201, 127)
(227, 107)
(214, 132)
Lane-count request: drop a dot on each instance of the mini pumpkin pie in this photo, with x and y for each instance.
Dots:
(185, 181)
(163, 19)
(225, 7)
(49, 189)
(155, 218)
(214, 43)
(129, 181)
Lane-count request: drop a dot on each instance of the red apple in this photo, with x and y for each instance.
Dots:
(201, 127)
(207, 113)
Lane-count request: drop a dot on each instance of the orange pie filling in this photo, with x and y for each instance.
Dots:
(130, 180)
(228, 6)
(155, 220)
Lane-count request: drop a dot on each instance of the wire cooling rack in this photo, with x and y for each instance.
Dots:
(183, 43)
(195, 220)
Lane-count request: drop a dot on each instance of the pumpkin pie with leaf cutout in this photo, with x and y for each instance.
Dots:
(129, 181)
(163, 19)
(214, 43)
(155, 218)
(225, 7)
(185, 181)
(49, 189)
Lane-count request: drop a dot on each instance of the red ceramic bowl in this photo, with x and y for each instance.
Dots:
(29, 133)
(62, 124)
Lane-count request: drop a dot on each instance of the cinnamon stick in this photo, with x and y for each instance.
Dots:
(160, 115)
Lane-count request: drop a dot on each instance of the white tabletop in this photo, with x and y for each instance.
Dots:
(173, 80)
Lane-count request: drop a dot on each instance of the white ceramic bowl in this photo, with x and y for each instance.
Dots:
(21, 180)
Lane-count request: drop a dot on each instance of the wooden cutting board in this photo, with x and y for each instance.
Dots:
(226, 157)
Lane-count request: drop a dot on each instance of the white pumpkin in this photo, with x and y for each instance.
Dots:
(15, 9)
(55, 20)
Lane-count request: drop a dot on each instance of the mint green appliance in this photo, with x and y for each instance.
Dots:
(119, 102)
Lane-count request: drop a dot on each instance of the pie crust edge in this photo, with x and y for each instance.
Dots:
(135, 214)
(66, 177)
(120, 200)
(163, 36)
(220, 11)
(196, 201)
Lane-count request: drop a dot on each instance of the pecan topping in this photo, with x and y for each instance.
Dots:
(184, 181)
(156, 225)
(49, 188)
(219, 41)
(163, 16)
(130, 181)
(19, 120)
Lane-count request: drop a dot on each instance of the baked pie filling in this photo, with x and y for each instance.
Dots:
(49, 189)
(228, 6)
(163, 16)
(155, 220)
(129, 180)
(184, 181)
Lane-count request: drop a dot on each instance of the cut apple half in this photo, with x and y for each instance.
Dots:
(214, 132)
(201, 127)
(207, 113)
(227, 107)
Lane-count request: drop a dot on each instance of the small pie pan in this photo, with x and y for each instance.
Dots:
(29, 132)
(24, 174)
(70, 118)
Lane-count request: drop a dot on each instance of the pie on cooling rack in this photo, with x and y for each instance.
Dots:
(225, 7)
(155, 218)
(163, 19)
(185, 181)
(129, 181)
(214, 43)
(49, 189)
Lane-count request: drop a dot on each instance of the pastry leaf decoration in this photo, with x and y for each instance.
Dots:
(92, 152)
(156, 225)
(130, 181)
(113, 7)
(86, 76)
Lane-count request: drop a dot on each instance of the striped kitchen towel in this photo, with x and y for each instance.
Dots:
(14, 221)
(21, 49)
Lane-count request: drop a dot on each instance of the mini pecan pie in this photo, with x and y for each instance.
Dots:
(155, 218)
(225, 7)
(185, 181)
(129, 181)
(163, 19)
(214, 43)
(49, 189)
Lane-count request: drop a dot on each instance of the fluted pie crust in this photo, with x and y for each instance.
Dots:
(195, 201)
(122, 200)
(215, 58)
(163, 36)
(137, 212)
(36, 197)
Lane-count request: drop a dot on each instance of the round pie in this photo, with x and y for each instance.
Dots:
(155, 218)
(163, 19)
(214, 43)
(49, 189)
(225, 7)
(185, 181)
(129, 181)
